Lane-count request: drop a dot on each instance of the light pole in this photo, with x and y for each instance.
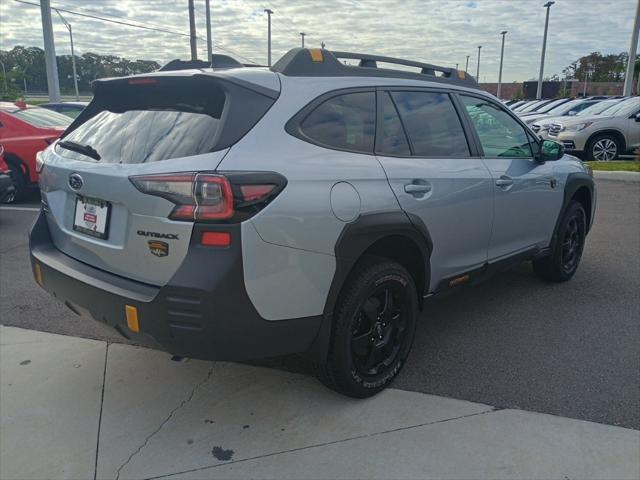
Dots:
(631, 62)
(207, 8)
(322, 45)
(192, 32)
(269, 12)
(457, 66)
(302, 34)
(53, 85)
(478, 68)
(466, 69)
(73, 55)
(544, 49)
(4, 78)
(503, 33)
(587, 71)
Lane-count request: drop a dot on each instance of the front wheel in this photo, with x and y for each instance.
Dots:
(603, 148)
(563, 261)
(373, 330)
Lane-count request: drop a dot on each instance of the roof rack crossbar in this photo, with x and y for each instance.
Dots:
(367, 60)
(303, 62)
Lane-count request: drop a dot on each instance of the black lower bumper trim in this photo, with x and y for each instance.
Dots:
(203, 312)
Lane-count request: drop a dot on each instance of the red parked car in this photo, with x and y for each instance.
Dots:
(24, 131)
(6, 185)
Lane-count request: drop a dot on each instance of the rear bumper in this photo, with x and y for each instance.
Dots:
(203, 312)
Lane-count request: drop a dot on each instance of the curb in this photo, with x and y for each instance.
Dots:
(615, 175)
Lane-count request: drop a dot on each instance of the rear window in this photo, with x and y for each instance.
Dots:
(41, 117)
(174, 118)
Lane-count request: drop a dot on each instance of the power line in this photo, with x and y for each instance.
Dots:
(128, 24)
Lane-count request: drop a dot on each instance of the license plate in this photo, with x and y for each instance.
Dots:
(92, 217)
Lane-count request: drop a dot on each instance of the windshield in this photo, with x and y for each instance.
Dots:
(550, 106)
(624, 108)
(565, 107)
(41, 117)
(598, 108)
(530, 107)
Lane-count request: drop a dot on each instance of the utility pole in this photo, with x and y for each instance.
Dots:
(192, 32)
(631, 62)
(302, 34)
(544, 49)
(466, 69)
(503, 33)
(209, 39)
(53, 84)
(4, 78)
(73, 55)
(587, 71)
(478, 68)
(269, 12)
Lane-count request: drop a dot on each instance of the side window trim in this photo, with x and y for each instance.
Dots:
(380, 93)
(294, 125)
(530, 135)
(469, 133)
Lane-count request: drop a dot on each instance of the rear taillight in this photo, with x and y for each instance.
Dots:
(197, 196)
(212, 197)
(39, 162)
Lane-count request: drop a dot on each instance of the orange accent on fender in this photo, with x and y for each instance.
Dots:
(132, 318)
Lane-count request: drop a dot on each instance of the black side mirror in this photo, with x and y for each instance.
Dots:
(550, 151)
(637, 117)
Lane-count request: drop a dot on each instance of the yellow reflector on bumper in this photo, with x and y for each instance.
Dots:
(132, 318)
(316, 55)
(37, 272)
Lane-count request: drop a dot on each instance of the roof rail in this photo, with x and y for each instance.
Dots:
(304, 62)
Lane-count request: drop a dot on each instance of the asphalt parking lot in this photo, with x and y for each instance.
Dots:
(571, 350)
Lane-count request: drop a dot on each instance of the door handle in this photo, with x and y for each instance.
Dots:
(504, 181)
(414, 188)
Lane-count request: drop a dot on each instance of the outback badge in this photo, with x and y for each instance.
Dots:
(159, 249)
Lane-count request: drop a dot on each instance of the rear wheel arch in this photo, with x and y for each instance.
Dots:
(396, 236)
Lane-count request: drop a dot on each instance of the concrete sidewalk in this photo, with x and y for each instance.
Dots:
(82, 409)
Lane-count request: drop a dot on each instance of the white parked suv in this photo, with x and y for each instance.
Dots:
(308, 208)
(601, 137)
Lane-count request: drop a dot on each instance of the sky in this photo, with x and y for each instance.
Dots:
(442, 32)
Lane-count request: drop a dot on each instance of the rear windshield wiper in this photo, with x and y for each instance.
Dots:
(87, 150)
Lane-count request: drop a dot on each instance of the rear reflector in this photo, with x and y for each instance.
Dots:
(37, 271)
(132, 318)
(216, 239)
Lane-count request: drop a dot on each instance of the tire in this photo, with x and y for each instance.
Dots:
(563, 261)
(603, 148)
(373, 329)
(20, 182)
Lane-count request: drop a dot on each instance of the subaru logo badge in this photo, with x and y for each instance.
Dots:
(75, 181)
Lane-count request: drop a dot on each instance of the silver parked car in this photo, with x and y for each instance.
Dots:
(308, 208)
(602, 137)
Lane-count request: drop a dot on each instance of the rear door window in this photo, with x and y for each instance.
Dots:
(432, 124)
(344, 122)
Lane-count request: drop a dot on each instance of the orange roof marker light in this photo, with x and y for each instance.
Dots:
(316, 55)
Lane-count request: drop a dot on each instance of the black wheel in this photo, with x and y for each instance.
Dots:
(374, 326)
(19, 178)
(563, 261)
(603, 148)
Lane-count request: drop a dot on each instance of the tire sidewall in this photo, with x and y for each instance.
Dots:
(368, 385)
(574, 208)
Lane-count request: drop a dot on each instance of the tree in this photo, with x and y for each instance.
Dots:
(27, 63)
(601, 68)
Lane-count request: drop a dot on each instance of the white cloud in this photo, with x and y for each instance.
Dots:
(435, 31)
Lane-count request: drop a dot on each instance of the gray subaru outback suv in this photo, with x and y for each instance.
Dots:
(311, 208)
